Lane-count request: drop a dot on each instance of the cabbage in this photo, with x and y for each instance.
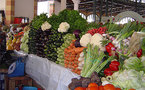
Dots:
(134, 63)
(129, 79)
(24, 47)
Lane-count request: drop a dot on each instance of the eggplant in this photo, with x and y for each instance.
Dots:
(77, 43)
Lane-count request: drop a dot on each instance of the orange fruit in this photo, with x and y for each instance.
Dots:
(92, 88)
(101, 88)
(79, 88)
(109, 87)
(118, 88)
(92, 85)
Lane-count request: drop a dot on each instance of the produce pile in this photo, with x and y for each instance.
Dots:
(14, 35)
(46, 37)
(106, 56)
(115, 53)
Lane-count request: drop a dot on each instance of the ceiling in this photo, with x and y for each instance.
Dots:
(86, 6)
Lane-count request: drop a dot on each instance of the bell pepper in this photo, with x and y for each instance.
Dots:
(108, 72)
(115, 63)
(114, 66)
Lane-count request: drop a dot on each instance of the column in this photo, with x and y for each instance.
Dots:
(76, 4)
(51, 8)
(35, 8)
(63, 4)
(10, 11)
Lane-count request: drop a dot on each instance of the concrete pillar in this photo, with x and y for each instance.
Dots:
(52, 8)
(63, 4)
(10, 11)
(35, 8)
(76, 4)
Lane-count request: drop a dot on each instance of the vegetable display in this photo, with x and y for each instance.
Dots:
(60, 51)
(106, 56)
(71, 56)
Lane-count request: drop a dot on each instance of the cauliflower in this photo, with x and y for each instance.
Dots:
(85, 39)
(45, 26)
(63, 27)
(96, 40)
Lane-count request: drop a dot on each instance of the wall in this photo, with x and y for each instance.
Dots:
(24, 8)
(57, 7)
(2, 4)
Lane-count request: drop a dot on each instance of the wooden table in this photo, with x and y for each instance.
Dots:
(12, 82)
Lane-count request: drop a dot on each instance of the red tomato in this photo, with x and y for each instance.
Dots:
(109, 87)
(79, 88)
(92, 88)
(118, 88)
(132, 89)
(101, 88)
(92, 85)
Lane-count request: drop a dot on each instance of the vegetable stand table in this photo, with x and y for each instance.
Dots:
(49, 75)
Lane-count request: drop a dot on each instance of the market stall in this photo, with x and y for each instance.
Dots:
(64, 51)
(48, 74)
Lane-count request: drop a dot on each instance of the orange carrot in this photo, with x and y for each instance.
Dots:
(73, 41)
(79, 49)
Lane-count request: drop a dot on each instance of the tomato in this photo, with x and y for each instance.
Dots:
(118, 88)
(92, 85)
(92, 88)
(109, 87)
(79, 88)
(101, 88)
(108, 48)
(132, 89)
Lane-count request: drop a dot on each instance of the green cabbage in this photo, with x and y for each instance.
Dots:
(134, 63)
(128, 79)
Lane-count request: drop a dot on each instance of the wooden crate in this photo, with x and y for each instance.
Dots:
(13, 82)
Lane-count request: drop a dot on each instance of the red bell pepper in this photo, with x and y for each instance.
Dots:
(108, 72)
(115, 63)
(113, 67)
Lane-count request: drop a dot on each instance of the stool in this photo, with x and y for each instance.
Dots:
(12, 82)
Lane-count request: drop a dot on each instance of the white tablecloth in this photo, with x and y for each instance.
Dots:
(49, 75)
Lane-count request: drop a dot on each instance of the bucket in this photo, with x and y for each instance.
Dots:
(29, 88)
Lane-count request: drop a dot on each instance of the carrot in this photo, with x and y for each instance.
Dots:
(65, 50)
(70, 50)
(73, 41)
(72, 44)
(79, 49)
(73, 53)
